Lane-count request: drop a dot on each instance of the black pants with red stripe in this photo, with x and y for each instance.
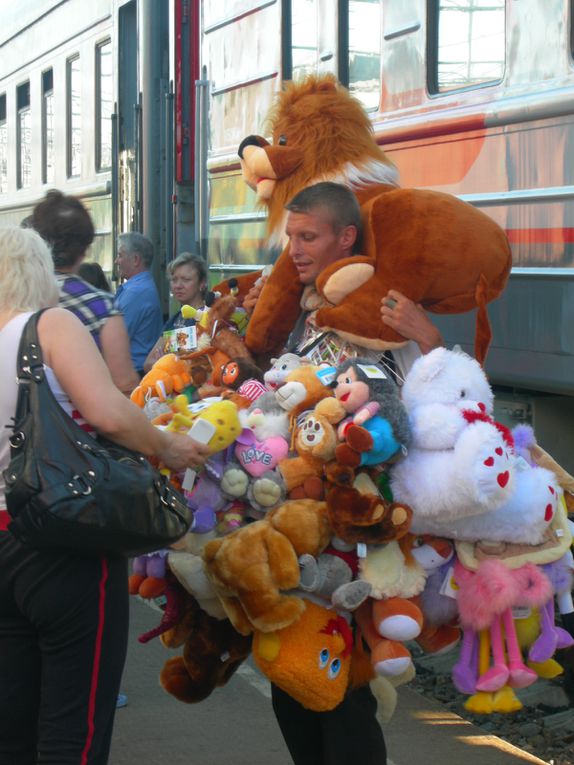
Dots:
(63, 638)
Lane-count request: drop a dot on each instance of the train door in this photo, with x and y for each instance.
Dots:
(127, 124)
(143, 131)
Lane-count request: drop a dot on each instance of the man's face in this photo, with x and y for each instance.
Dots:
(126, 263)
(314, 243)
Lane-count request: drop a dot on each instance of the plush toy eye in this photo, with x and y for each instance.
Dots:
(348, 380)
(323, 658)
(282, 140)
(317, 426)
(418, 542)
(462, 393)
(334, 669)
(283, 366)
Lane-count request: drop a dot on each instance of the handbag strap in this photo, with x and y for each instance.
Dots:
(30, 363)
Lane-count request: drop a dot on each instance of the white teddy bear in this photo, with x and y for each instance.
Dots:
(461, 477)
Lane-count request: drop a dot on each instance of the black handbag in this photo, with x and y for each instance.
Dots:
(66, 489)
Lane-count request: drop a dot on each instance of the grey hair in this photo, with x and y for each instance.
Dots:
(138, 244)
(27, 281)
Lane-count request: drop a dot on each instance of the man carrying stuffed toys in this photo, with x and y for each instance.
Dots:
(324, 226)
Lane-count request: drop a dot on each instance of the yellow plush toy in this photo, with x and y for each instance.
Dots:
(251, 567)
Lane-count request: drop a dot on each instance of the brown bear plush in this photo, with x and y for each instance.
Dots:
(357, 512)
(251, 567)
(212, 652)
(315, 443)
(436, 249)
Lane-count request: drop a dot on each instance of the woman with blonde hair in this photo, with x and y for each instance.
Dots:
(63, 617)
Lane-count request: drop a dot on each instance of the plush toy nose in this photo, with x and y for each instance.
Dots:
(251, 140)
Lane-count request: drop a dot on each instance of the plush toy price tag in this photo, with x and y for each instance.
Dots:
(361, 550)
(449, 587)
(327, 375)
(372, 371)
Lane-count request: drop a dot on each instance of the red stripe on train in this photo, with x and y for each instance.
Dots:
(540, 235)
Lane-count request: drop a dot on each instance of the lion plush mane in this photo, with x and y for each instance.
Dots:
(298, 164)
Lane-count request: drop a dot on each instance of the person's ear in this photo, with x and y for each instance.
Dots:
(349, 236)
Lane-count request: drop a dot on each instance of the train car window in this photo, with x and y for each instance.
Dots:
(74, 117)
(48, 126)
(365, 51)
(3, 146)
(466, 45)
(304, 38)
(24, 136)
(104, 105)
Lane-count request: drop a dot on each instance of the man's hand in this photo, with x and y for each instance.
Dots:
(252, 296)
(410, 321)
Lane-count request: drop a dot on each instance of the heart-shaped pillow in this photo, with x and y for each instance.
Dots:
(258, 456)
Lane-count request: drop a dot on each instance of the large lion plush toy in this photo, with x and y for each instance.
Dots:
(434, 248)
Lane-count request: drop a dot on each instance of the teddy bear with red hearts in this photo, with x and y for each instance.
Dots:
(462, 477)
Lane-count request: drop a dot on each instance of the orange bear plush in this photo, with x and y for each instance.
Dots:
(315, 443)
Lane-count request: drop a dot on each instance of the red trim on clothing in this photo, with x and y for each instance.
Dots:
(4, 520)
(97, 658)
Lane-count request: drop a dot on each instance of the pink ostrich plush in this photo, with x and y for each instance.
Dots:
(485, 601)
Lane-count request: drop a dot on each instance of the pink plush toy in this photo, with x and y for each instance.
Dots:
(485, 600)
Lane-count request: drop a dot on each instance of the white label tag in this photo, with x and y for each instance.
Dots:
(521, 612)
(372, 371)
(188, 479)
(361, 550)
(521, 464)
(449, 587)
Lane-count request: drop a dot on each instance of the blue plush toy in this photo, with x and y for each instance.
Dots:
(377, 428)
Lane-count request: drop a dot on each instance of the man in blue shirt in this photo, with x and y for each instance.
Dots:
(137, 298)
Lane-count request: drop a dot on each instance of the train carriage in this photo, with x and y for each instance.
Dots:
(138, 106)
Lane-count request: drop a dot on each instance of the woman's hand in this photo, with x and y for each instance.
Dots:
(410, 321)
(179, 451)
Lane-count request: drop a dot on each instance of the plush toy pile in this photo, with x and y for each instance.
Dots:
(339, 517)
(336, 522)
